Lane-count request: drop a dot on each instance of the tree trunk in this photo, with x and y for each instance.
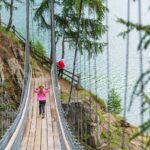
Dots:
(11, 15)
(63, 48)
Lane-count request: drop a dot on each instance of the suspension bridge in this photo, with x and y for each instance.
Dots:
(28, 130)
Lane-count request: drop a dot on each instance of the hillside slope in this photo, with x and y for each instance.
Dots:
(12, 76)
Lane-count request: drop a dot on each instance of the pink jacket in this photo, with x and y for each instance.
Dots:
(41, 96)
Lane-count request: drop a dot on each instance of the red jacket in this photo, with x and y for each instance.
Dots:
(61, 64)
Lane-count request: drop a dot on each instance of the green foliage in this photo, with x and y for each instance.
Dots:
(144, 127)
(139, 88)
(38, 48)
(13, 106)
(67, 23)
(145, 41)
(33, 62)
(114, 102)
(5, 4)
(100, 101)
(2, 107)
(101, 117)
(9, 35)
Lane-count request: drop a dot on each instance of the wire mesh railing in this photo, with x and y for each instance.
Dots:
(68, 141)
(14, 133)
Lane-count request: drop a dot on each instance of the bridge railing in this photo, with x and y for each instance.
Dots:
(13, 136)
(44, 59)
(68, 142)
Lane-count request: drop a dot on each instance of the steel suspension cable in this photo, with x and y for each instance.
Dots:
(27, 48)
(3, 106)
(96, 92)
(96, 85)
(126, 75)
(32, 22)
(89, 64)
(89, 87)
(53, 46)
(78, 65)
(141, 66)
(108, 72)
(76, 50)
(85, 83)
(86, 87)
(81, 123)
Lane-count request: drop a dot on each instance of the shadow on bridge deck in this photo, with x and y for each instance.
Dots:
(41, 134)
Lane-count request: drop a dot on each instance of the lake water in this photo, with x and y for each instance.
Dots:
(117, 8)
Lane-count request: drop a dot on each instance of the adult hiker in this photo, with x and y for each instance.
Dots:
(61, 66)
(41, 97)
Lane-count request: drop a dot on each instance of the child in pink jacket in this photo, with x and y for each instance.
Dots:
(41, 97)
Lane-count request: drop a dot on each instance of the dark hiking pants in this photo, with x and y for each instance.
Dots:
(42, 107)
(60, 74)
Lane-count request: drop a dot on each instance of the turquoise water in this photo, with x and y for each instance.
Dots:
(117, 53)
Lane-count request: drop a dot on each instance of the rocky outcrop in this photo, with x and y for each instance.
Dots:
(16, 71)
(84, 121)
(18, 53)
(1, 70)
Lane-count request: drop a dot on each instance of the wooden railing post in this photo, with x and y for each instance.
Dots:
(13, 29)
(79, 81)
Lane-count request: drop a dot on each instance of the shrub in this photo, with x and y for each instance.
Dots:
(38, 48)
(114, 102)
(2, 107)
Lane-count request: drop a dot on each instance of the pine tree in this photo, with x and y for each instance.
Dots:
(114, 102)
(91, 29)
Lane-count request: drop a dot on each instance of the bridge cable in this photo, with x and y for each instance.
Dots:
(53, 44)
(141, 67)
(76, 50)
(79, 99)
(96, 98)
(96, 84)
(86, 86)
(32, 22)
(78, 96)
(126, 76)
(84, 126)
(90, 100)
(2, 105)
(81, 108)
(27, 52)
(108, 73)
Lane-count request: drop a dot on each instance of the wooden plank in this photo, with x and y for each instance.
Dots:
(44, 128)
(44, 135)
(28, 123)
(31, 138)
(37, 143)
(54, 124)
(50, 139)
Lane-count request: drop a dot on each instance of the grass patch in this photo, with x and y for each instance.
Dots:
(64, 96)
(38, 48)
(2, 107)
(10, 35)
(33, 62)
(101, 117)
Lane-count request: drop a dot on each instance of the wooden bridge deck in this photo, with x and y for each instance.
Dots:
(41, 134)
